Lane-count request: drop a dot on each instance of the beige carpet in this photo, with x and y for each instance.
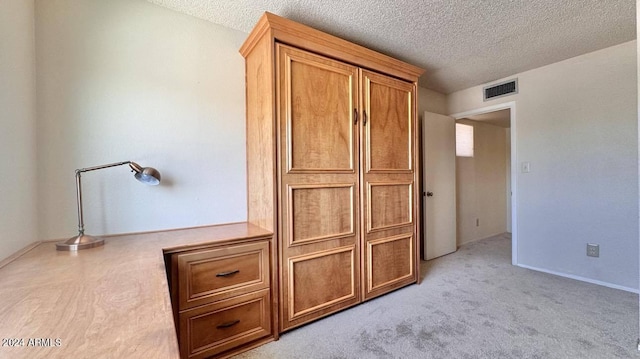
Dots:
(475, 304)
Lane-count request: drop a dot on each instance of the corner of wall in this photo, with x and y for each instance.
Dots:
(18, 128)
(432, 101)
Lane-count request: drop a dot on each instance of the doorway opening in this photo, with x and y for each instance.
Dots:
(485, 183)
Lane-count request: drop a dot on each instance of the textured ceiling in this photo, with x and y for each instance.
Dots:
(460, 43)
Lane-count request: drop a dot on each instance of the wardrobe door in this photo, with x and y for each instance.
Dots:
(318, 176)
(388, 183)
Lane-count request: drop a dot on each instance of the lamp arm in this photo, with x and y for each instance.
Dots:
(103, 166)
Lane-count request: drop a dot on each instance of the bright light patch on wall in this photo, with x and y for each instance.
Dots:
(464, 140)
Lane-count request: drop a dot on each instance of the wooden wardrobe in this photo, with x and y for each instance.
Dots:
(332, 167)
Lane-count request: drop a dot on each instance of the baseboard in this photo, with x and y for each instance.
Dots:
(582, 279)
(483, 238)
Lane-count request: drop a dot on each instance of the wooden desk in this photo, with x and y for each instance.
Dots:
(106, 302)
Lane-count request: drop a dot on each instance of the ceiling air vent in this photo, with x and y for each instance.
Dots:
(500, 90)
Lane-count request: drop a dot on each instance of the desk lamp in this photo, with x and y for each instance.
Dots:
(146, 175)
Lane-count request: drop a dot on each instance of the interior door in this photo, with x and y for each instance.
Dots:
(319, 194)
(439, 174)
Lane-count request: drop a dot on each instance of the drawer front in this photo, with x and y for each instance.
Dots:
(225, 325)
(210, 275)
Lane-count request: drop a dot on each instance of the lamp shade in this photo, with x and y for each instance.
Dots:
(146, 175)
(149, 175)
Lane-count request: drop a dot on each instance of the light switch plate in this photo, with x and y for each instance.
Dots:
(526, 167)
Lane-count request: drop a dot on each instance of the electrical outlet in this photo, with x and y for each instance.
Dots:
(593, 250)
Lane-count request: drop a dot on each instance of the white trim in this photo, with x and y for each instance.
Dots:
(582, 279)
(514, 166)
(480, 111)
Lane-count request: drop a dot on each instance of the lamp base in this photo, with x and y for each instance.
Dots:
(81, 241)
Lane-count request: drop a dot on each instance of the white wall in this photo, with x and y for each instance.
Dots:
(18, 174)
(576, 123)
(481, 185)
(432, 101)
(128, 80)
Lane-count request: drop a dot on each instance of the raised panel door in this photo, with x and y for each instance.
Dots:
(388, 184)
(319, 192)
(389, 127)
(319, 101)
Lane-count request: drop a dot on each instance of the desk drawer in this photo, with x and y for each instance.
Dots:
(218, 327)
(206, 276)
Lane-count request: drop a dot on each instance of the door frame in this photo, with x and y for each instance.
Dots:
(514, 167)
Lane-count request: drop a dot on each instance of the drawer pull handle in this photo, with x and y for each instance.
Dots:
(226, 274)
(228, 324)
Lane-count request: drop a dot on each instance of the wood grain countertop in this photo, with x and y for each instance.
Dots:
(105, 302)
